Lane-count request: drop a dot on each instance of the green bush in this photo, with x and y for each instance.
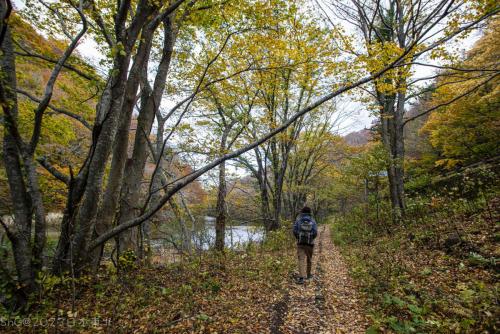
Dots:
(279, 239)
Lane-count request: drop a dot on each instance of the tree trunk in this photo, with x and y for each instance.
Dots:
(91, 176)
(39, 213)
(391, 119)
(107, 210)
(265, 206)
(278, 188)
(150, 103)
(399, 152)
(185, 236)
(221, 212)
(84, 219)
(261, 175)
(20, 233)
(276, 168)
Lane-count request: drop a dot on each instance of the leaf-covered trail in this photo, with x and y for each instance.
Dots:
(328, 303)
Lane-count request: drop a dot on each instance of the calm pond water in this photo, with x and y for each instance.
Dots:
(204, 236)
(236, 235)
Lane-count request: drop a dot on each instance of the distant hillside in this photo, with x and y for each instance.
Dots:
(417, 144)
(64, 139)
(358, 138)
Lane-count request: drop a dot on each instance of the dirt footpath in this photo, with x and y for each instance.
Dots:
(328, 303)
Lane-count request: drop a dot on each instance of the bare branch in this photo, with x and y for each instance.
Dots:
(58, 110)
(170, 9)
(62, 19)
(456, 32)
(67, 66)
(100, 22)
(49, 88)
(452, 100)
(453, 68)
(52, 170)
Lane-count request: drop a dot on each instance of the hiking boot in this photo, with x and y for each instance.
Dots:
(300, 280)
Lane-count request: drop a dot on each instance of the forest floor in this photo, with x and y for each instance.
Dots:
(238, 292)
(438, 272)
(420, 278)
(327, 303)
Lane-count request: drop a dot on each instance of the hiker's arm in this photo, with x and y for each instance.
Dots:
(315, 229)
(296, 228)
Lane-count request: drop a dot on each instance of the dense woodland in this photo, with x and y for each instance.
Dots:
(139, 137)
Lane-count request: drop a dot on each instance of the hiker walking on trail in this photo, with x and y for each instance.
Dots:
(305, 231)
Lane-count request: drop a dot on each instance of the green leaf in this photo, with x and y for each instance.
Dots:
(373, 330)
(415, 309)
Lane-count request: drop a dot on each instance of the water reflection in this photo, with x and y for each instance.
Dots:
(236, 235)
(203, 236)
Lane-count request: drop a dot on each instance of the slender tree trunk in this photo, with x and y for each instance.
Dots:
(261, 175)
(61, 259)
(191, 231)
(221, 212)
(278, 187)
(392, 137)
(399, 151)
(39, 213)
(265, 206)
(186, 208)
(186, 244)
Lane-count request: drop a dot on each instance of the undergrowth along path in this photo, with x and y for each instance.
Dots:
(329, 303)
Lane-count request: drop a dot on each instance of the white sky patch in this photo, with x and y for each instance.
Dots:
(19, 4)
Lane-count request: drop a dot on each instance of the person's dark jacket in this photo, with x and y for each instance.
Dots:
(296, 226)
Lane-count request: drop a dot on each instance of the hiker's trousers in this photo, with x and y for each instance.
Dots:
(304, 254)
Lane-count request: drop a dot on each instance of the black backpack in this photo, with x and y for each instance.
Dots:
(306, 233)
